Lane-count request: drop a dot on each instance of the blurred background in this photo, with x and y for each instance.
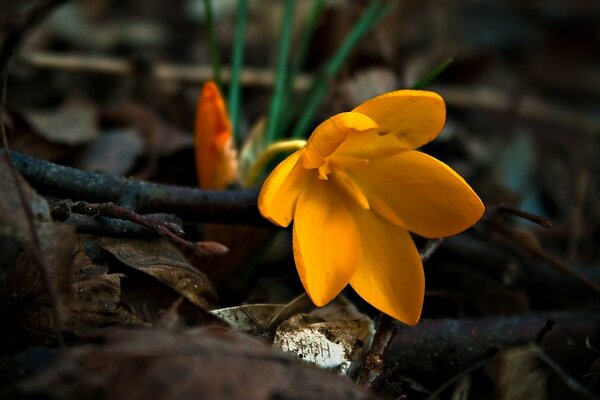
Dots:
(111, 86)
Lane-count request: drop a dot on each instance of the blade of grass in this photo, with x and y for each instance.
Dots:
(433, 74)
(279, 93)
(212, 42)
(290, 107)
(233, 99)
(309, 31)
(374, 13)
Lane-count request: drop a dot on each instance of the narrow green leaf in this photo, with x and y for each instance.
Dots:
(279, 93)
(212, 42)
(233, 100)
(433, 74)
(375, 12)
(307, 35)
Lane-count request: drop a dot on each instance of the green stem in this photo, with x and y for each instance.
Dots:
(287, 23)
(267, 156)
(307, 36)
(212, 40)
(374, 13)
(236, 66)
(431, 75)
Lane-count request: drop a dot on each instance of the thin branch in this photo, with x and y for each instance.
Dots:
(568, 380)
(191, 74)
(536, 252)
(18, 31)
(16, 34)
(505, 209)
(374, 367)
(169, 230)
(524, 106)
(220, 206)
(547, 328)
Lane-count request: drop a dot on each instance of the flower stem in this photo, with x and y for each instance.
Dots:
(431, 75)
(212, 40)
(374, 13)
(267, 156)
(277, 100)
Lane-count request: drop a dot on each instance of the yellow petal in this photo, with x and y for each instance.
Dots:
(330, 134)
(390, 275)
(347, 184)
(326, 241)
(419, 193)
(278, 195)
(216, 158)
(407, 118)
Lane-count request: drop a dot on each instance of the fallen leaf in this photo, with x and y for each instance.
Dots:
(332, 337)
(13, 219)
(519, 375)
(203, 363)
(93, 300)
(161, 260)
(114, 152)
(72, 123)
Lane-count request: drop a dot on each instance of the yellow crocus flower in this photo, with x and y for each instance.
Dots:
(355, 191)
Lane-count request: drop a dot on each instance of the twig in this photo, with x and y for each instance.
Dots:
(547, 328)
(524, 106)
(373, 367)
(505, 209)
(16, 34)
(534, 251)
(104, 226)
(531, 247)
(430, 247)
(191, 74)
(171, 231)
(568, 380)
(235, 206)
(18, 31)
(461, 374)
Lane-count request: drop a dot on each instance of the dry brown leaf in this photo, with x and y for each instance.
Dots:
(74, 122)
(23, 138)
(519, 376)
(13, 220)
(93, 297)
(114, 152)
(53, 249)
(161, 260)
(204, 363)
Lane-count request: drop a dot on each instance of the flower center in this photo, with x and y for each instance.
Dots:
(342, 181)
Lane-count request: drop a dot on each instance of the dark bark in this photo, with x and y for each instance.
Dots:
(220, 206)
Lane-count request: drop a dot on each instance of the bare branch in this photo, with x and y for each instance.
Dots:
(220, 206)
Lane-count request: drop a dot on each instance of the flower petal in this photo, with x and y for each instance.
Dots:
(326, 240)
(278, 195)
(419, 193)
(216, 158)
(390, 275)
(407, 118)
(331, 133)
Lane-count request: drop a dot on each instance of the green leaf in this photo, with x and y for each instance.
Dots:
(279, 94)
(433, 74)
(233, 100)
